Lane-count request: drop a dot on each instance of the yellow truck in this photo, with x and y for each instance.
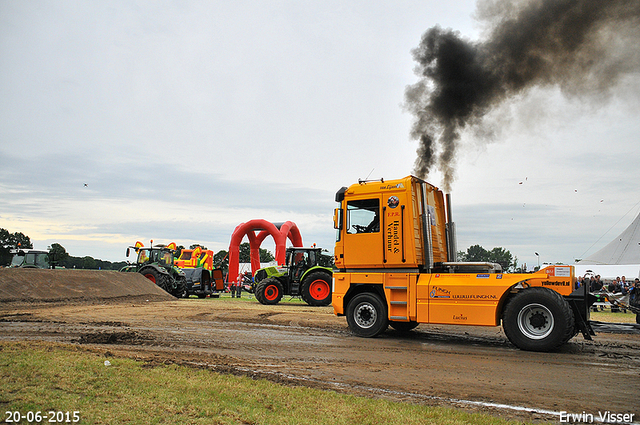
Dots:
(395, 256)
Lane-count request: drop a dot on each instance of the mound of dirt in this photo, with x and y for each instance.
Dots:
(37, 285)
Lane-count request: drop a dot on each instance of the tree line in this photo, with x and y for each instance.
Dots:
(477, 253)
(59, 257)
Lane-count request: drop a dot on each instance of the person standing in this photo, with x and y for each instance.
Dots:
(634, 298)
(235, 289)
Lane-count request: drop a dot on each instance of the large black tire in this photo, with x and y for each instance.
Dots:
(316, 288)
(180, 290)
(269, 291)
(538, 319)
(403, 326)
(157, 277)
(367, 315)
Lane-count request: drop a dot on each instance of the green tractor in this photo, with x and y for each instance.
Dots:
(300, 276)
(30, 259)
(156, 263)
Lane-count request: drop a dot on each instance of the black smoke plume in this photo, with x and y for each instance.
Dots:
(581, 46)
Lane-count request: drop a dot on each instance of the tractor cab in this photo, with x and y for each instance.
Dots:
(160, 255)
(30, 258)
(299, 260)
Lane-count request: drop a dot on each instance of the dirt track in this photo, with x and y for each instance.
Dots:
(300, 345)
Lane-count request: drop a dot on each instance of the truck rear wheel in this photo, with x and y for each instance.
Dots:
(367, 315)
(538, 319)
(403, 326)
(269, 291)
(316, 289)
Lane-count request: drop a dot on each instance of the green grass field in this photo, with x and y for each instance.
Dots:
(609, 317)
(50, 378)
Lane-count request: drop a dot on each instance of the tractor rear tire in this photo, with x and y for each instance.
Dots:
(367, 315)
(269, 291)
(538, 319)
(316, 289)
(180, 290)
(155, 276)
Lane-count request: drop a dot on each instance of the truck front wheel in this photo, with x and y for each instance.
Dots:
(367, 315)
(538, 319)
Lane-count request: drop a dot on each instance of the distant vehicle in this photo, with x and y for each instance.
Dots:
(202, 277)
(30, 259)
(301, 275)
(156, 263)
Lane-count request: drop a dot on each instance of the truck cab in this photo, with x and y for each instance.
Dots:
(395, 256)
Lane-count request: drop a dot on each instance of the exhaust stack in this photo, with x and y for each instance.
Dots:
(450, 229)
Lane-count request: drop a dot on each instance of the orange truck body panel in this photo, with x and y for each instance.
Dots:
(449, 298)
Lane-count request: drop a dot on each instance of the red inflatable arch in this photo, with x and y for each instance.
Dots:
(279, 231)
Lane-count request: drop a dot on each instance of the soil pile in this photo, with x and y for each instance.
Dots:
(38, 285)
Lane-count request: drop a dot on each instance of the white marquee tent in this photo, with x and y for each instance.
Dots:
(621, 257)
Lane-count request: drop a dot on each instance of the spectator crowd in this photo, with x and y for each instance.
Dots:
(618, 286)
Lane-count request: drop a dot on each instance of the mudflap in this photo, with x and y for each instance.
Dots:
(580, 301)
(217, 280)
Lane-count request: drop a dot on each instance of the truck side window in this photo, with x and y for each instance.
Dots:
(363, 216)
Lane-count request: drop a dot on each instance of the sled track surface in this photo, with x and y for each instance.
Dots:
(473, 368)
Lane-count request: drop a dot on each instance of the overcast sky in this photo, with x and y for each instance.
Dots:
(184, 119)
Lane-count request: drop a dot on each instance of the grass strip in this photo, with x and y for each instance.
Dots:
(40, 376)
(613, 317)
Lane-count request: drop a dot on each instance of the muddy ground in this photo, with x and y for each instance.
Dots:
(294, 344)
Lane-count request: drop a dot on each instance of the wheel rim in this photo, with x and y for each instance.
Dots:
(535, 321)
(151, 277)
(365, 315)
(319, 289)
(271, 292)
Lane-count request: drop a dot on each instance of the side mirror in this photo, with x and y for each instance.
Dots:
(337, 219)
(128, 252)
